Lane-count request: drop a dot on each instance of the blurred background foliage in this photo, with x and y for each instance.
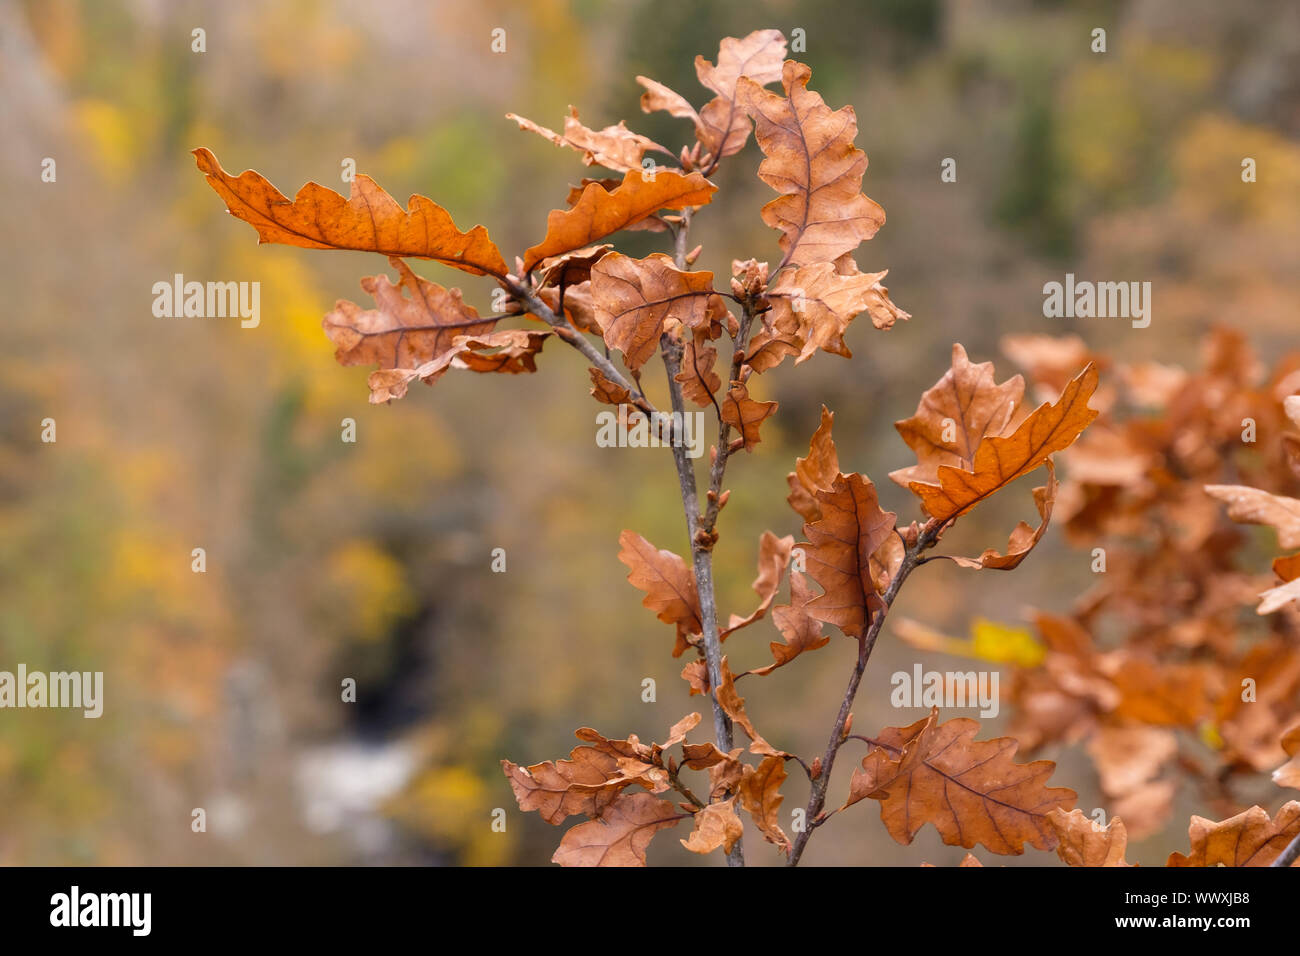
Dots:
(328, 560)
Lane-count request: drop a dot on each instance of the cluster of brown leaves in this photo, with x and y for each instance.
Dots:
(972, 791)
(1157, 671)
(1131, 478)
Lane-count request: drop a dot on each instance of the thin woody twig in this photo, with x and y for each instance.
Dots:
(1290, 854)
(817, 798)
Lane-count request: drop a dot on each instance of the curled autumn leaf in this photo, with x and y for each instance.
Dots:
(1025, 537)
(802, 631)
(955, 415)
(722, 126)
(812, 307)
(811, 161)
(745, 414)
(697, 377)
(605, 391)
(369, 221)
(816, 472)
(731, 702)
(1288, 775)
(773, 556)
(1000, 459)
(760, 794)
(716, 825)
(511, 351)
(620, 835)
(600, 212)
(565, 788)
(1083, 843)
(614, 147)
(971, 790)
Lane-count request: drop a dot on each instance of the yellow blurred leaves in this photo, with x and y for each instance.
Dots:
(368, 592)
(989, 641)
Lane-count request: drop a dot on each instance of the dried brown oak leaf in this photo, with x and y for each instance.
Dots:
(802, 631)
(605, 391)
(564, 788)
(760, 795)
(697, 377)
(620, 835)
(816, 472)
(1025, 537)
(955, 415)
(812, 307)
(636, 298)
(369, 221)
(722, 126)
(745, 414)
(773, 556)
(669, 585)
(839, 551)
(415, 321)
(1248, 839)
(1084, 843)
(614, 147)
(972, 790)
(600, 212)
(1288, 775)
(516, 351)
(715, 826)
(811, 161)
(731, 702)
(1001, 459)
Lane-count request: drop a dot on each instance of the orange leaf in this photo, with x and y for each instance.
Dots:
(1024, 538)
(812, 162)
(954, 417)
(816, 303)
(1000, 460)
(1288, 775)
(698, 379)
(565, 788)
(369, 221)
(722, 125)
(734, 705)
(600, 212)
(416, 320)
(603, 390)
(516, 352)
